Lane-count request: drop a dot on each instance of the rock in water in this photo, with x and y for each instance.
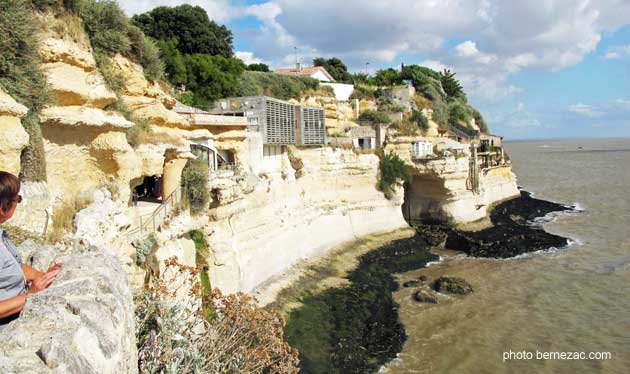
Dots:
(423, 278)
(452, 285)
(425, 296)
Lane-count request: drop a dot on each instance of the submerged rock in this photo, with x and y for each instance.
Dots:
(425, 296)
(452, 285)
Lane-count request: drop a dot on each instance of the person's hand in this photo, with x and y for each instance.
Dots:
(43, 282)
(56, 266)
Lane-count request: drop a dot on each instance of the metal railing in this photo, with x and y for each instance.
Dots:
(152, 222)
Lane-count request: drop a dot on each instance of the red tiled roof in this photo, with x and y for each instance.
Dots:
(305, 71)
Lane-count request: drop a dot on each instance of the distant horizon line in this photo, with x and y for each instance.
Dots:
(566, 138)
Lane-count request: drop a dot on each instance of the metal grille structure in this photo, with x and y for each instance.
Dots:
(312, 129)
(280, 122)
(280, 126)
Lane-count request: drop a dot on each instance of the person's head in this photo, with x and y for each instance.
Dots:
(9, 195)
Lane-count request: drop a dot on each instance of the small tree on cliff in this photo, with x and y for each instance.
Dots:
(393, 170)
(194, 185)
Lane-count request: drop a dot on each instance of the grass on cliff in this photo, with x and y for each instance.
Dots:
(201, 259)
(22, 79)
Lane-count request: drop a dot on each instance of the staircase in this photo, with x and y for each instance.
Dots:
(149, 224)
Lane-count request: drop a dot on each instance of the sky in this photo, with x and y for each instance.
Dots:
(534, 68)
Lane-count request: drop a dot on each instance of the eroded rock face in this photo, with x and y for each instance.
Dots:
(13, 138)
(83, 323)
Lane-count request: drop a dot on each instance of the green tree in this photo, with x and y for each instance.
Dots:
(174, 61)
(212, 77)
(258, 67)
(335, 67)
(451, 86)
(190, 26)
(388, 77)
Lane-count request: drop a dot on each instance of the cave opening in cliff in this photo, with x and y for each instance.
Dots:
(150, 190)
(425, 197)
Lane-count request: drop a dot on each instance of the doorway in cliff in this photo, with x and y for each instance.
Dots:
(425, 197)
(150, 190)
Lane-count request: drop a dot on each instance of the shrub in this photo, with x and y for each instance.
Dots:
(459, 113)
(194, 185)
(111, 32)
(422, 102)
(178, 338)
(420, 120)
(258, 67)
(374, 117)
(144, 249)
(20, 77)
(363, 92)
(388, 106)
(254, 83)
(406, 127)
(174, 62)
(63, 218)
(393, 169)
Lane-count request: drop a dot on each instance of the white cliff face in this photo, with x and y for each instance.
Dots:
(262, 234)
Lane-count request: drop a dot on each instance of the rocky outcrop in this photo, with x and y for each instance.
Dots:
(83, 323)
(72, 85)
(452, 285)
(440, 188)
(14, 137)
(76, 116)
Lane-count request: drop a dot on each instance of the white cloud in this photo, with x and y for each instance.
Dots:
(504, 37)
(247, 57)
(622, 103)
(617, 52)
(585, 110)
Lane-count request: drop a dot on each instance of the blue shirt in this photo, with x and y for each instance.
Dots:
(12, 281)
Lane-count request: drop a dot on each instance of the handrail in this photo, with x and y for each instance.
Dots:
(151, 221)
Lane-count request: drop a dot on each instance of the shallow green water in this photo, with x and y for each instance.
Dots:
(573, 299)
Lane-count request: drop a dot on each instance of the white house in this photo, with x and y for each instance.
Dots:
(315, 72)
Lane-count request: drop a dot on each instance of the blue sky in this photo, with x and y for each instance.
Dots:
(535, 69)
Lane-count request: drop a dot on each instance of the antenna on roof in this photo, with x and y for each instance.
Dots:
(298, 67)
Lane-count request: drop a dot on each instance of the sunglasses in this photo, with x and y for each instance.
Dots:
(18, 199)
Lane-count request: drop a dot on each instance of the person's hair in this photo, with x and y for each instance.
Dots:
(9, 189)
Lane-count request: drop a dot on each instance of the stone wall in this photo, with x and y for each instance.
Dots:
(82, 324)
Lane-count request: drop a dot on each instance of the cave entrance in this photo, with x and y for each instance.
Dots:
(425, 197)
(150, 190)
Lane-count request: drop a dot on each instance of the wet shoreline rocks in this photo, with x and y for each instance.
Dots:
(512, 232)
(357, 328)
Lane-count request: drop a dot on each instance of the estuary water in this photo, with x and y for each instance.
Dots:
(574, 299)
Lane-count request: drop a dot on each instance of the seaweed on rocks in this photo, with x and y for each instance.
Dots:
(356, 329)
(511, 234)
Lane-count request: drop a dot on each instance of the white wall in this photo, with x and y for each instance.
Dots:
(320, 76)
(342, 90)
(272, 159)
